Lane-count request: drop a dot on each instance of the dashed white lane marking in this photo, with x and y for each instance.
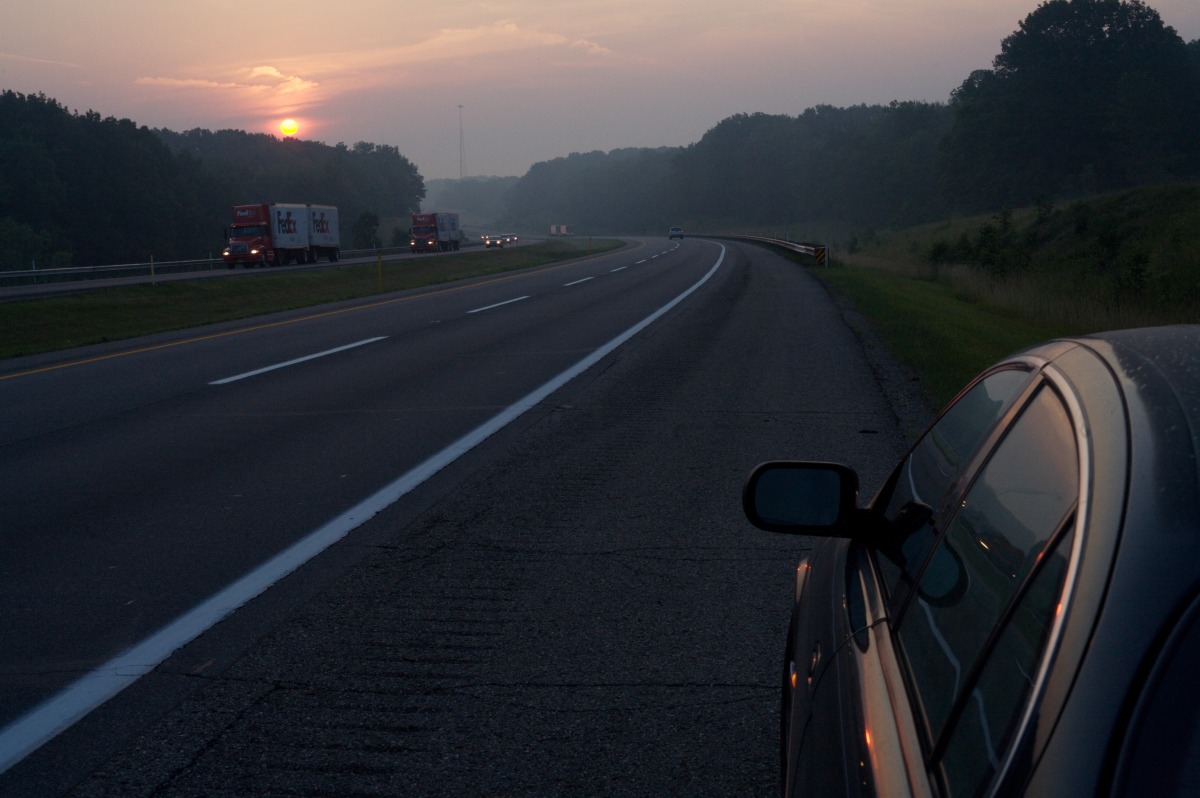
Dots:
(498, 304)
(58, 713)
(256, 372)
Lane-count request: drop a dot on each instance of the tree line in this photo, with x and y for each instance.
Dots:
(1087, 96)
(79, 189)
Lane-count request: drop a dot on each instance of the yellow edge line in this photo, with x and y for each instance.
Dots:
(255, 328)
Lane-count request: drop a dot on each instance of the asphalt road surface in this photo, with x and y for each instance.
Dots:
(573, 606)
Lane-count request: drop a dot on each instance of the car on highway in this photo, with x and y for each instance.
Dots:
(1017, 610)
(490, 241)
(675, 232)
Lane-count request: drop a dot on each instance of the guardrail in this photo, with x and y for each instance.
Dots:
(818, 251)
(114, 271)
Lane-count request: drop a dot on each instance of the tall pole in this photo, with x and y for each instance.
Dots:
(462, 150)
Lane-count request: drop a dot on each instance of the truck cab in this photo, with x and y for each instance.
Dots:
(249, 237)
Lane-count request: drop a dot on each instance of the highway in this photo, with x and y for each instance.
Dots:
(481, 534)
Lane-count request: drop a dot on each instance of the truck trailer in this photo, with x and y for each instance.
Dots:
(275, 234)
(435, 232)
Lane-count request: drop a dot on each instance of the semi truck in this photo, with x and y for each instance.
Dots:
(557, 230)
(435, 232)
(277, 233)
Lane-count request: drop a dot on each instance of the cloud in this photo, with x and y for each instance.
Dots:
(451, 56)
(280, 83)
(257, 90)
(265, 72)
(188, 83)
(24, 59)
(449, 49)
(591, 48)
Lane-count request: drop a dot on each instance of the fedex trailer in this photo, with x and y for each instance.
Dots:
(275, 234)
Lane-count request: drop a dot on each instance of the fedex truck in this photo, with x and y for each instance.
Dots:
(435, 232)
(275, 234)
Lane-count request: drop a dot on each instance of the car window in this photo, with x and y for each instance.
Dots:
(975, 746)
(1002, 527)
(919, 488)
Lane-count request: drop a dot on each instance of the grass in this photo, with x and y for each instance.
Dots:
(62, 322)
(944, 337)
(1125, 260)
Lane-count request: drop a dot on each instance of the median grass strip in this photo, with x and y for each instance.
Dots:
(111, 314)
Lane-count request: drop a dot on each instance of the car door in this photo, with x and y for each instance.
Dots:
(971, 635)
(840, 646)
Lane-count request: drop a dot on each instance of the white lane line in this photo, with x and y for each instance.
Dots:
(618, 269)
(304, 359)
(46, 721)
(498, 304)
(640, 262)
(577, 282)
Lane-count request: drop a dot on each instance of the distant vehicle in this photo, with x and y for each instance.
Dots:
(1017, 611)
(274, 234)
(490, 241)
(435, 232)
(560, 230)
(511, 238)
(676, 232)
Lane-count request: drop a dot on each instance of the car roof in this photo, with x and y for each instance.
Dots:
(1159, 361)
(1156, 372)
(1139, 396)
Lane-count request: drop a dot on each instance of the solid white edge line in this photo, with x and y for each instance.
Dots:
(304, 359)
(577, 282)
(58, 713)
(497, 305)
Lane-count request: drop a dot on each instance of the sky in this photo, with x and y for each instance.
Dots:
(513, 81)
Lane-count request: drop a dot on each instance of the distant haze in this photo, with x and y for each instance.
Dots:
(536, 80)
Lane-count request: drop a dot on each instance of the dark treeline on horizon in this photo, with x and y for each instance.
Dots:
(1087, 96)
(78, 189)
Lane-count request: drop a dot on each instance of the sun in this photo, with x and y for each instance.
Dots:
(288, 127)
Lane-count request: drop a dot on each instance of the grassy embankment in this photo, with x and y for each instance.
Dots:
(43, 325)
(950, 298)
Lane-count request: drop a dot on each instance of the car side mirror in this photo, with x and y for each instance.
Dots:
(803, 498)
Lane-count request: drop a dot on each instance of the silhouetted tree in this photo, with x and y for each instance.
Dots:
(364, 231)
(1086, 95)
(85, 189)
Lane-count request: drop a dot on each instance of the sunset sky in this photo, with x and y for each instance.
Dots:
(536, 79)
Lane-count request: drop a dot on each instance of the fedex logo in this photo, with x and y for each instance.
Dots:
(250, 213)
(320, 224)
(284, 224)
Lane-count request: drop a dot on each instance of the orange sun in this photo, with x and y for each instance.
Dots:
(288, 127)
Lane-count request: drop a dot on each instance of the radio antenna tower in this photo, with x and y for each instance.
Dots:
(462, 150)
